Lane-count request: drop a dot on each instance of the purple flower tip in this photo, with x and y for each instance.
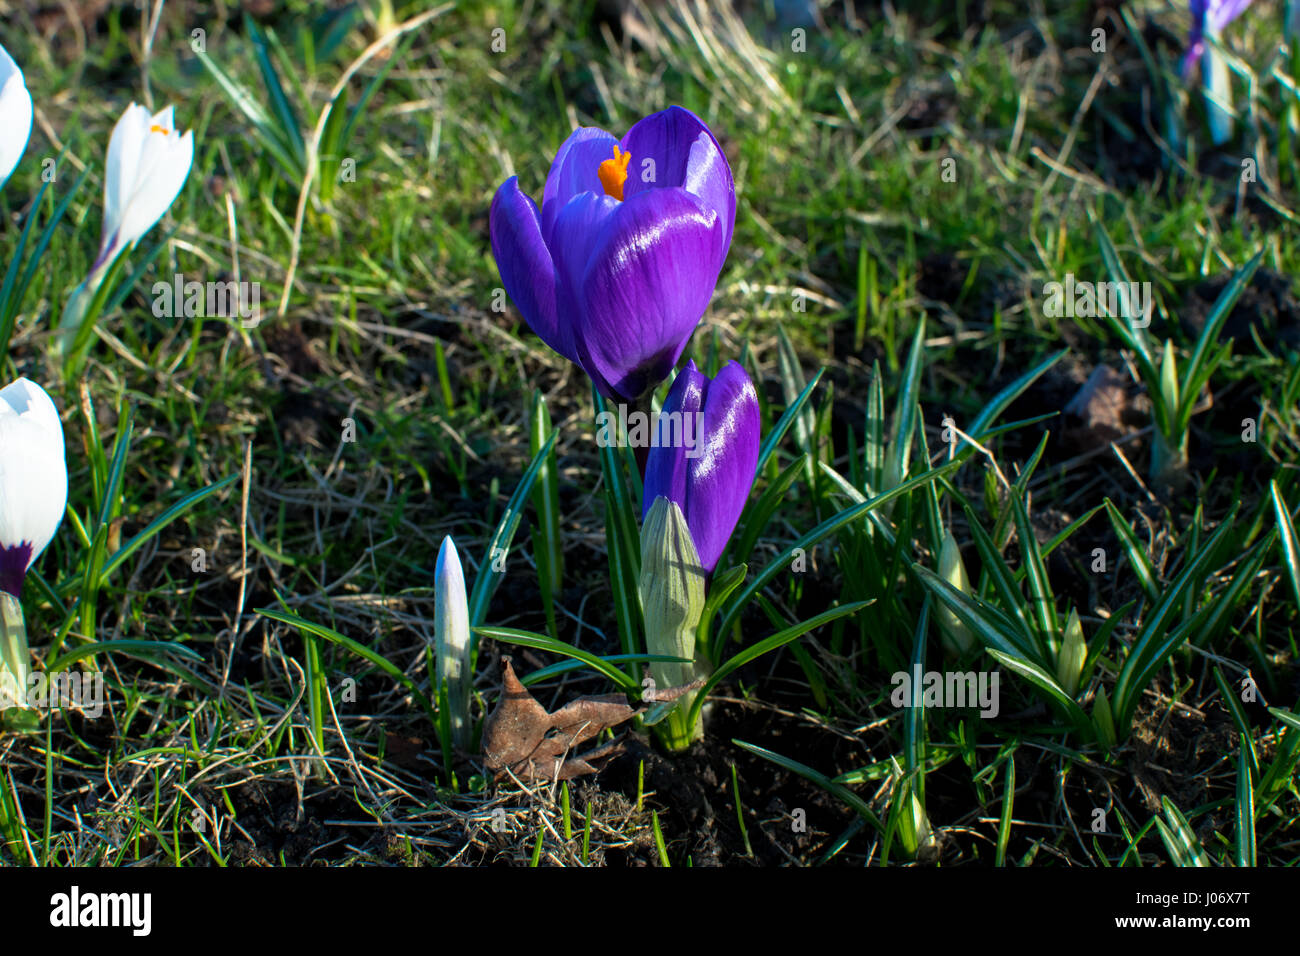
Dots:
(709, 469)
(14, 561)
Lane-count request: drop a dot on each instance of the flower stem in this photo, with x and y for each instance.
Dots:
(1168, 460)
(642, 452)
(673, 731)
(13, 653)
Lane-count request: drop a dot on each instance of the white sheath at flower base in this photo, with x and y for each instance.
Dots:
(33, 496)
(451, 631)
(672, 588)
(14, 670)
(15, 115)
(148, 163)
(1073, 655)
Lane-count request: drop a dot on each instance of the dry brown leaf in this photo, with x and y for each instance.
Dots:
(520, 736)
(1100, 407)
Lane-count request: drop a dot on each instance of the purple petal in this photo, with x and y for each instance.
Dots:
(647, 284)
(721, 477)
(14, 562)
(574, 171)
(685, 155)
(1221, 12)
(1208, 17)
(574, 235)
(525, 266)
(666, 466)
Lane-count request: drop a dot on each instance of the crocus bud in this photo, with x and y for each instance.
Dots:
(33, 495)
(451, 631)
(15, 115)
(708, 469)
(33, 479)
(672, 601)
(957, 637)
(1074, 651)
(914, 829)
(148, 163)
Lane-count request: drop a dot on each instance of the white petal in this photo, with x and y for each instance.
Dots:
(15, 115)
(7, 65)
(451, 608)
(148, 163)
(33, 470)
(164, 119)
(164, 166)
(124, 148)
(451, 629)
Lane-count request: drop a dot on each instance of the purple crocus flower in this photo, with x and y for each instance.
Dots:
(710, 478)
(617, 268)
(1209, 17)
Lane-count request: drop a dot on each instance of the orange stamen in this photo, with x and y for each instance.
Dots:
(155, 128)
(613, 173)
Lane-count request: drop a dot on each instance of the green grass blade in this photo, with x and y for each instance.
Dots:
(874, 443)
(769, 644)
(162, 521)
(783, 423)
(488, 577)
(622, 539)
(569, 666)
(145, 650)
(760, 512)
(356, 647)
(1245, 805)
(822, 531)
(1152, 648)
(906, 414)
(792, 386)
(548, 543)
(286, 120)
(1179, 838)
(1008, 802)
(1004, 583)
(1046, 683)
(826, 783)
(268, 133)
(1040, 589)
(541, 642)
(1003, 399)
(1137, 556)
(1288, 540)
(993, 627)
(1200, 366)
(1133, 336)
(110, 505)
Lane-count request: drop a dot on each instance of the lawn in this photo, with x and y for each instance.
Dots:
(1023, 342)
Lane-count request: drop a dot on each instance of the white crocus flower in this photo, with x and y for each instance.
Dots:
(33, 496)
(33, 478)
(15, 115)
(148, 163)
(451, 630)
